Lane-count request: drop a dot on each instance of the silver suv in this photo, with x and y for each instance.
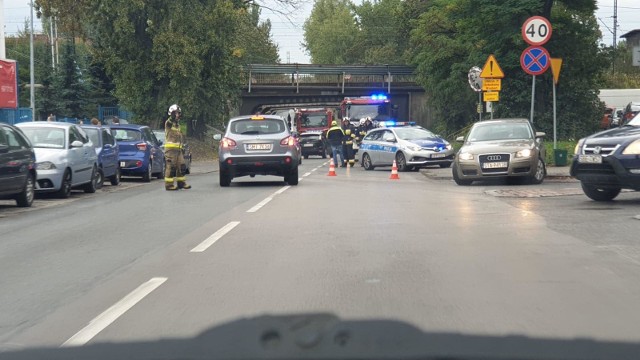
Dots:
(258, 145)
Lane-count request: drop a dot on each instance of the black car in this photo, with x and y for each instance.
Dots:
(609, 161)
(313, 143)
(17, 166)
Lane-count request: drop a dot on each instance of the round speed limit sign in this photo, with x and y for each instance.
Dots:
(536, 30)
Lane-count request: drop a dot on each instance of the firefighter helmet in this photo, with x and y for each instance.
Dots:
(334, 123)
(173, 108)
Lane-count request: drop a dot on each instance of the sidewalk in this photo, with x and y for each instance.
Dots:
(204, 167)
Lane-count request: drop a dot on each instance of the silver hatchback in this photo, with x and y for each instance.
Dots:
(258, 145)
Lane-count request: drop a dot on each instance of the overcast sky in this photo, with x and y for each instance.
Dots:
(287, 30)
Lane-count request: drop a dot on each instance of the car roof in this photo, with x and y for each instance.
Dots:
(248, 117)
(46, 124)
(128, 126)
(503, 121)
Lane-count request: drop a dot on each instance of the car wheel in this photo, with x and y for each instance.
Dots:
(149, 173)
(541, 172)
(100, 179)
(306, 157)
(600, 194)
(25, 198)
(115, 179)
(457, 179)
(366, 162)
(65, 187)
(91, 186)
(445, 165)
(292, 177)
(160, 175)
(225, 179)
(401, 162)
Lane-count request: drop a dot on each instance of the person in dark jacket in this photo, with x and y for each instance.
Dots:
(334, 137)
(347, 143)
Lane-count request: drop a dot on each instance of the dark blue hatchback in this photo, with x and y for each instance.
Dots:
(108, 153)
(140, 152)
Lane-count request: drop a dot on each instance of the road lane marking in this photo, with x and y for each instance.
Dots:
(110, 315)
(306, 174)
(215, 237)
(283, 189)
(260, 205)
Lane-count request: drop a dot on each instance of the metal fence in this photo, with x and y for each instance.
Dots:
(15, 116)
(108, 112)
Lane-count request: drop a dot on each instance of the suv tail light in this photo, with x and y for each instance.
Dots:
(288, 141)
(227, 143)
(142, 146)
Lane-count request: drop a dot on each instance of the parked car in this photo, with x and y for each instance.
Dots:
(186, 151)
(411, 146)
(501, 148)
(140, 152)
(630, 111)
(313, 143)
(65, 157)
(609, 161)
(108, 153)
(258, 145)
(17, 166)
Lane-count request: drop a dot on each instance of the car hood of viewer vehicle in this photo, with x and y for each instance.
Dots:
(624, 131)
(506, 146)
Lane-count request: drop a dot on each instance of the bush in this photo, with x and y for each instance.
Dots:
(564, 145)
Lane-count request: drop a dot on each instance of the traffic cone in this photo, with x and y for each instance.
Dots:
(394, 172)
(332, 169)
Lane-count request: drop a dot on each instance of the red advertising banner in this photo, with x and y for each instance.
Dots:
(8, 84)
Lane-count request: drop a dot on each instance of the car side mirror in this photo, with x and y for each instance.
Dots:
(460, 139)
(160, 142)
(4, 148)
(76, 144)
(217, 137)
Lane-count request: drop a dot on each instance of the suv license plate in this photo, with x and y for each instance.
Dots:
(307, 145)
(437, 156)
(122, 164)
(590, 159)
(495, 165)
(258, 146)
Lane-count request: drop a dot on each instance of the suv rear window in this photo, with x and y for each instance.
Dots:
(257, 127)
(126, 135)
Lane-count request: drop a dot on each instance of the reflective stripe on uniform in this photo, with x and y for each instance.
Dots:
(168, 180)
(181, 179)
(171, 146)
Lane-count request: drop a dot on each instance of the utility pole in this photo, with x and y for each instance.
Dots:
(615, 34)
(32, 70)
(3, 52)
(53, 47)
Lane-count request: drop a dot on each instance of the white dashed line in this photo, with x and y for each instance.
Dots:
(281, 190)
(215, 237)
(110, 315)
(260, 204)
(306, 174)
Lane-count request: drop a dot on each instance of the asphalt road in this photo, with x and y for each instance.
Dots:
(138, 263)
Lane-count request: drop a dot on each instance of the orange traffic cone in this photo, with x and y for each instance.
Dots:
(394, 172)
(332, 169)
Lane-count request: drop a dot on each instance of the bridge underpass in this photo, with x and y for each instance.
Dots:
(282, 85)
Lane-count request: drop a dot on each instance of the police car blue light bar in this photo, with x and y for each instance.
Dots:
(393, 123)
(378, 97)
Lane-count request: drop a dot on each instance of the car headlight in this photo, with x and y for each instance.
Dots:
(576, 151)
(449, 146)
(413, 147)
(524, 153)
(632, 149)
(45, 165)
(465, 156)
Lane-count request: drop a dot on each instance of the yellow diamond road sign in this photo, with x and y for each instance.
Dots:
(492, 84)
(491, 69)
(491, 96)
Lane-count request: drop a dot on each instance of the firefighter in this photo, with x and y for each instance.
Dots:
(334, 137)
(347, 142)
(173, 151)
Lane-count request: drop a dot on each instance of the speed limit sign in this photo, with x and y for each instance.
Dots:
(536, 30)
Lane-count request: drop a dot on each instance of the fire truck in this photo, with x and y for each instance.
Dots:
(313, 119)
(378, 107)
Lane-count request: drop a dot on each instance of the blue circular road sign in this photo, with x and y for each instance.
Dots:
(535, 60)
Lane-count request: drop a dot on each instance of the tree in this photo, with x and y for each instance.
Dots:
(379, 23)
(331, 33)
(451, 36)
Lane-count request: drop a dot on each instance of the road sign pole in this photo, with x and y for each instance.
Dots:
(480, 106)
(554, 116)
(533, 95)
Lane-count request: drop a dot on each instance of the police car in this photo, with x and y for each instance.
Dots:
(411, 146)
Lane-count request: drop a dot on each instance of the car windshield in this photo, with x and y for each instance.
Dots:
(257, 127)
(414, 134)
(363, 111)
(635, 121)
(499, 131)
(159, 135)
(94, 136)
(314, 120)
(53, 138)
(126, 135)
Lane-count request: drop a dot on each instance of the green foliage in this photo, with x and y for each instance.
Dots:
(330, 33)
(569, 146)
(465, 32)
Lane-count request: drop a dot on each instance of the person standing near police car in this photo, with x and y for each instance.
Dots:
(173, 151)
(334, 137)
(347, 142)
